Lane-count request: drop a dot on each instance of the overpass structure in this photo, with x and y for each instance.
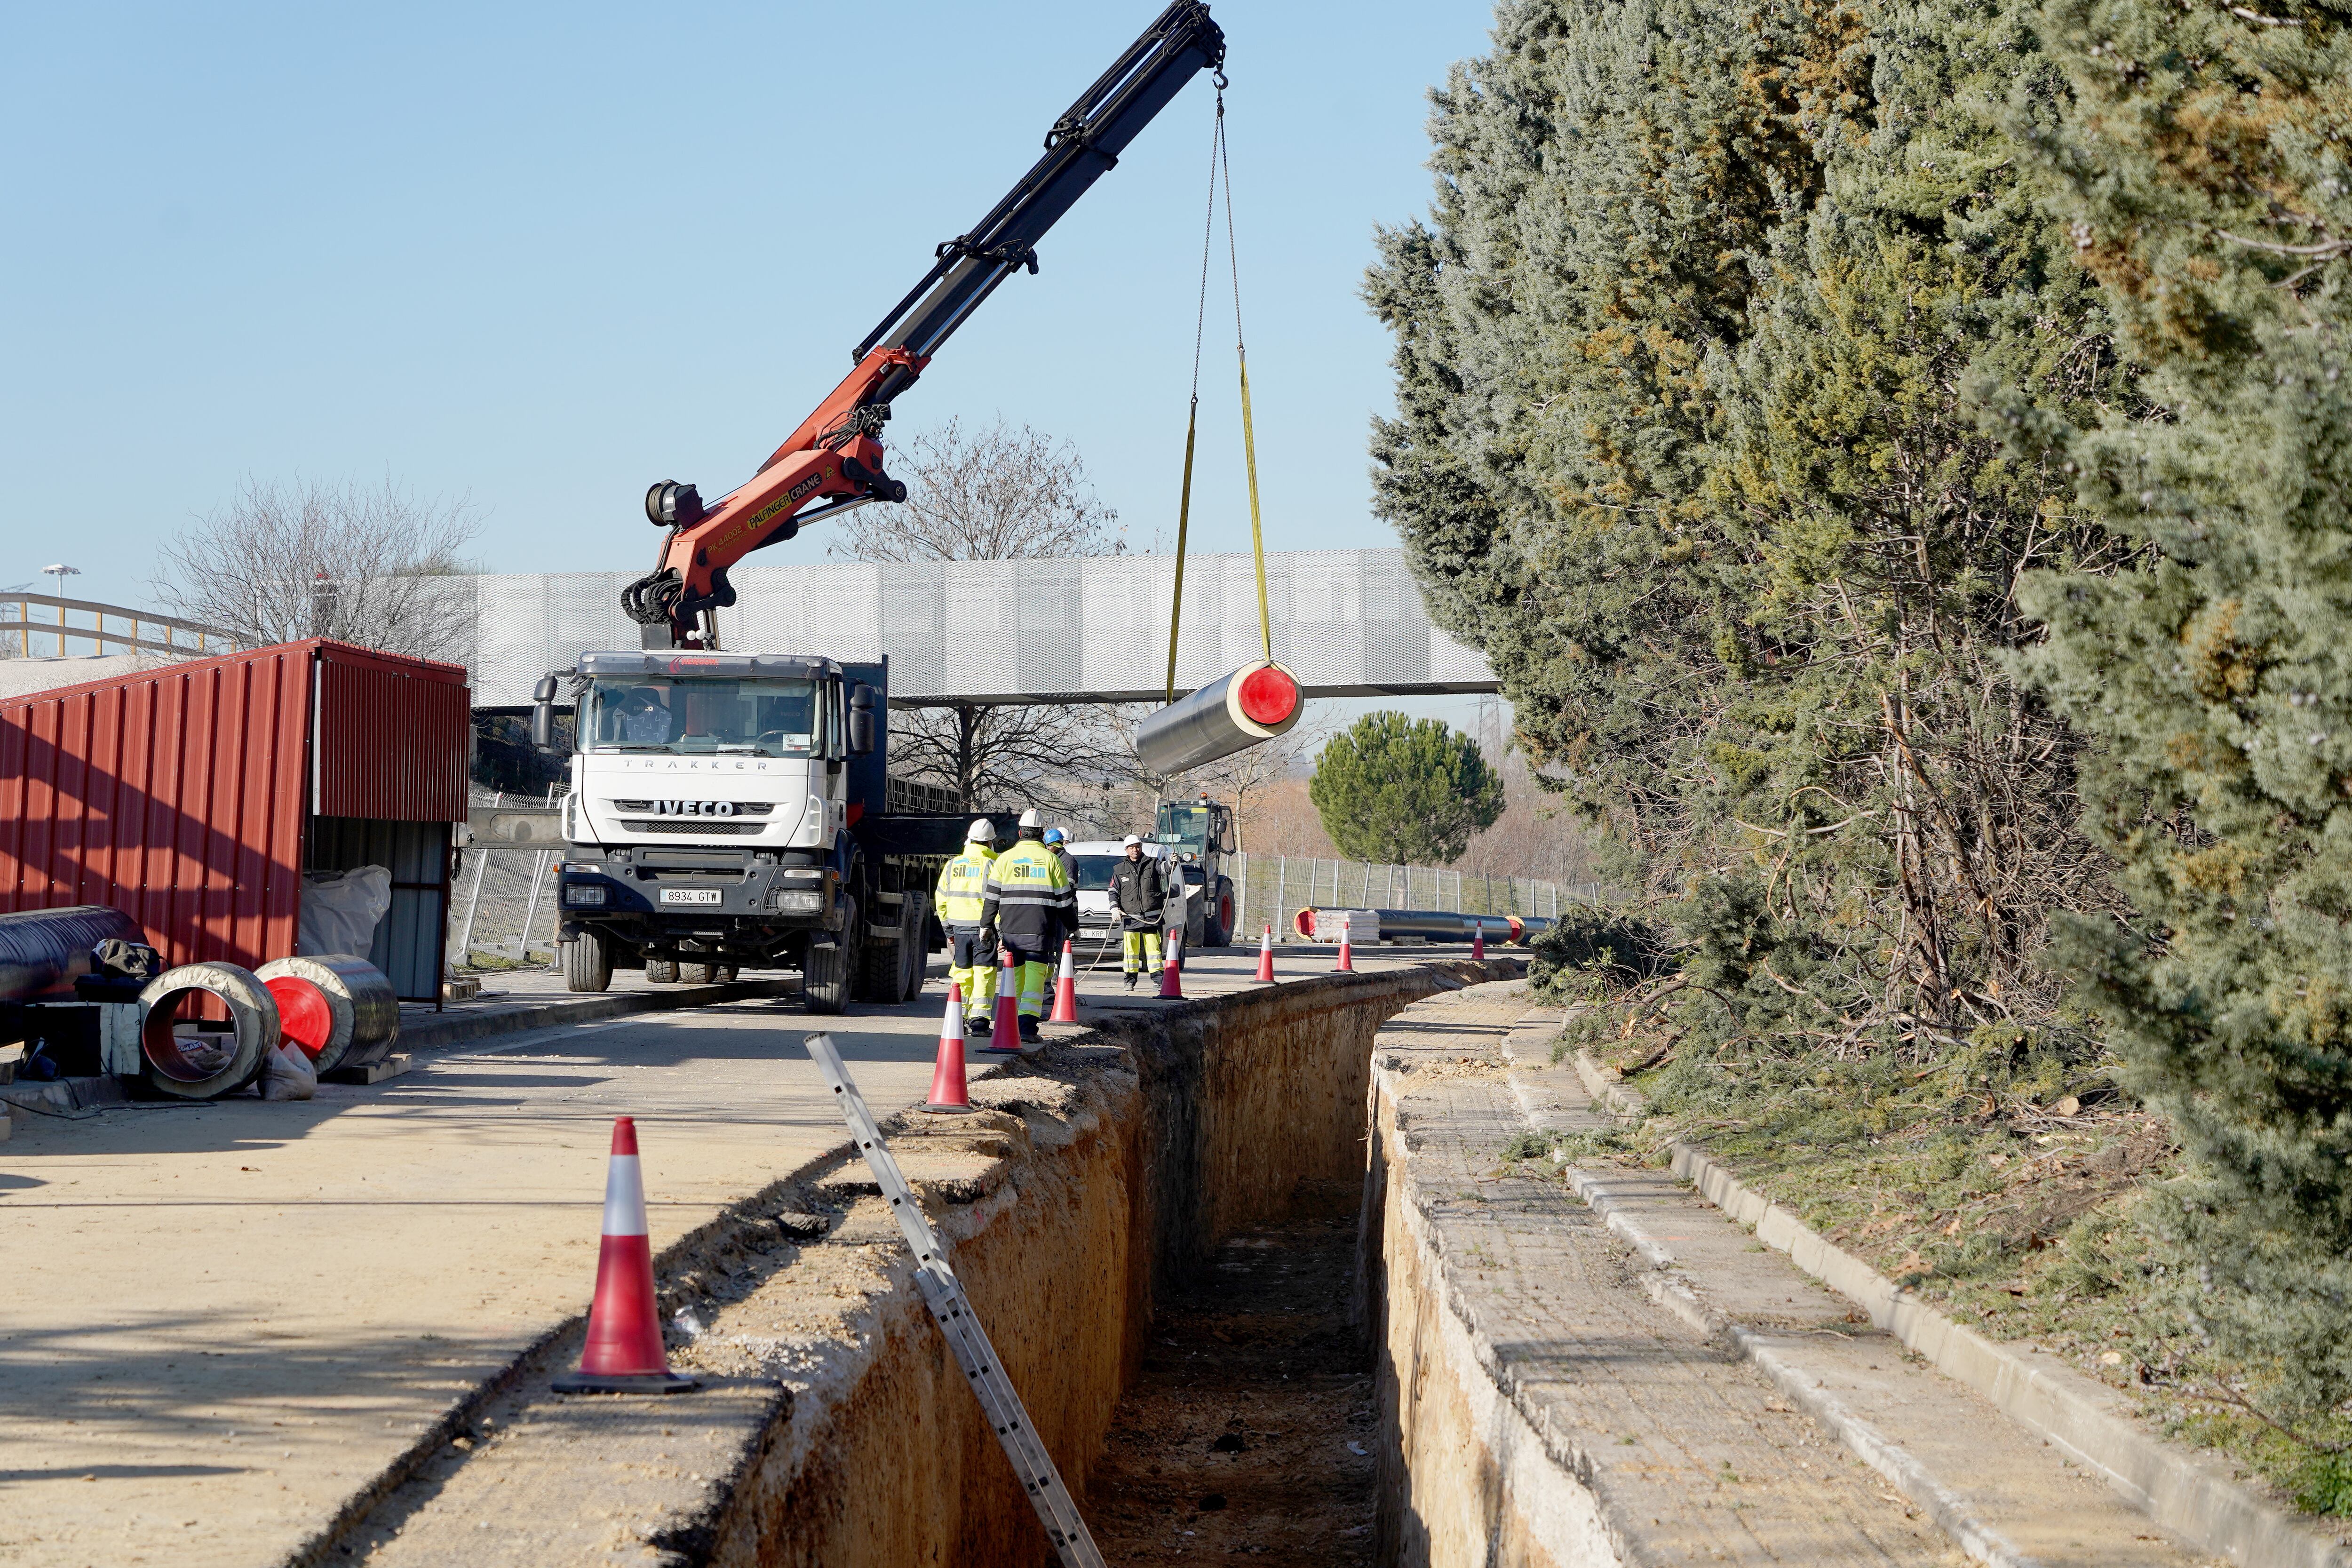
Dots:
(1350, 623)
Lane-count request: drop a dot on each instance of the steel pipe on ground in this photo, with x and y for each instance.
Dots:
(188, 1058)
(338, 1008)
(1435, 925)
(44, 952)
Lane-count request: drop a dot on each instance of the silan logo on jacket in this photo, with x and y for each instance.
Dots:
(694, 808)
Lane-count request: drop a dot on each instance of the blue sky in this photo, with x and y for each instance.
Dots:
(541, 257)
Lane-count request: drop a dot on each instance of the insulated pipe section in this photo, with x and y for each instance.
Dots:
(193, 1057)
(44, 952)
(1441, 925)
(1257, 702)
(338, 1009)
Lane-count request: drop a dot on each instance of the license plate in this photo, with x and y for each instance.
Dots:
(689, 895)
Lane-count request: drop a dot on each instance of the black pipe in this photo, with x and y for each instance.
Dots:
(44, 952)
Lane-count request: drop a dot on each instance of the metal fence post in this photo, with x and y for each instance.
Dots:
(481, 869)
(1241, 903)
(1281, 864)
(530, 911)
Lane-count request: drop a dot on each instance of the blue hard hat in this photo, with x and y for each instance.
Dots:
(1053, 836)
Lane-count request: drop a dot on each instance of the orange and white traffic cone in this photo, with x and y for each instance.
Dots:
(1066, 990)
(1004, 1034)
(1478, 942)
(1347, 958)
(949, 1094)
(624, 1353)
(1171, 967)
(1265, 955)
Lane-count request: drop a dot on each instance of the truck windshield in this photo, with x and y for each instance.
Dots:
(1186, 827)
(699, 716)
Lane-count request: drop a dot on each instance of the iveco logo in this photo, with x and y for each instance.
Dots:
(694, 808)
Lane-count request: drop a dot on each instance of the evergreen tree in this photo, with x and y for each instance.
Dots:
(1399, 791)
(2204, 176)
(1695, 357)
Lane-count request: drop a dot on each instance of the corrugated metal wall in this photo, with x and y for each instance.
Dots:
(176, 796)
(182, 795)
(393, 737)
(408, 940)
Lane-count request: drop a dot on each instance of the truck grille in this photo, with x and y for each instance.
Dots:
(742, 808)
(690, 826)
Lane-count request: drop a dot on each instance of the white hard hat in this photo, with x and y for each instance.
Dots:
(1129, 842)
(1030, 819)
(981, 831)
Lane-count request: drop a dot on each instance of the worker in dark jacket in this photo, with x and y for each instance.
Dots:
(1032, 906)
(1138, 896)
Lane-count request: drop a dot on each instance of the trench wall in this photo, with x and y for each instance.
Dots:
(1126, 1169)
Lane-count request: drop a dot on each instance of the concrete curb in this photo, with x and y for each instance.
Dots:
(2186, 1493)
(1669, 1288)
(454, 1028)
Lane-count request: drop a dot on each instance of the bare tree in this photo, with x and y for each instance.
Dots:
(997, 494)
(370, 565)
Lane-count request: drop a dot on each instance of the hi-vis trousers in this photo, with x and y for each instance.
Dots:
(972, 966)
(1141, 950)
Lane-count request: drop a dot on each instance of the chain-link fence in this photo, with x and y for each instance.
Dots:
(1268, 889)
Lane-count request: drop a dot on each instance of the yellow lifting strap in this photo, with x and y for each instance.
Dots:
(1218, 170)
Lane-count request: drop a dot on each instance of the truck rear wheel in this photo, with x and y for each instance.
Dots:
(588, 962)
(827, 973)
(1220, 919)
(914, 924)
(661, 971)
(697, 974)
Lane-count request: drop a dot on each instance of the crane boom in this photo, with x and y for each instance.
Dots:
(835, 458)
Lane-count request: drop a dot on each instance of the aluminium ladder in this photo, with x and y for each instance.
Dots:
(944, 1293)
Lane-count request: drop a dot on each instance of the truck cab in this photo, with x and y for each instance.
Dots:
(729, 811)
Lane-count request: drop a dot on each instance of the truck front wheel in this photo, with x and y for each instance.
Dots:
(588, 962)
(827, 973)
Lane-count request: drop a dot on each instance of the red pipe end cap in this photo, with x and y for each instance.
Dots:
(1268, 697)
(304, 1019)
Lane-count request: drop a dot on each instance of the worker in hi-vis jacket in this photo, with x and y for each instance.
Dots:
(1031, 905)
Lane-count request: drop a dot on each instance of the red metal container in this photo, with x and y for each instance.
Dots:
(194, 797)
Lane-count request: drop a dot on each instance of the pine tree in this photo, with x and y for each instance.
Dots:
(2204, 176)
(1398, 791)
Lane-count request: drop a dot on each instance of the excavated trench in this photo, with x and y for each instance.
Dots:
(1160, 1225)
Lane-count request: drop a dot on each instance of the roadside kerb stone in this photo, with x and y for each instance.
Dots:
(2184, 1491)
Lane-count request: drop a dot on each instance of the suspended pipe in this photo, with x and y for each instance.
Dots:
(1254, 704)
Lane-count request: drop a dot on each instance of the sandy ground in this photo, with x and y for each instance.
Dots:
(1249, 1430)
(218, 1324)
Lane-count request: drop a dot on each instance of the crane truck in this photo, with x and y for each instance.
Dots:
(733, 810)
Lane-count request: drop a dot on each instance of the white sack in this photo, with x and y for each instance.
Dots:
(287, 1074)
(340, 911)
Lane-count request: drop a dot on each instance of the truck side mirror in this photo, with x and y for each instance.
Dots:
(861, 719)
(543, 714)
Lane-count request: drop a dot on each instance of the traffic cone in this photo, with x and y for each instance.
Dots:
(1265, 955)
(1347, 958)
(949, 1094)
(1066, 990)
(624, 1353)
(1004, 1036)
(1171, 966)
(1478, 942)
